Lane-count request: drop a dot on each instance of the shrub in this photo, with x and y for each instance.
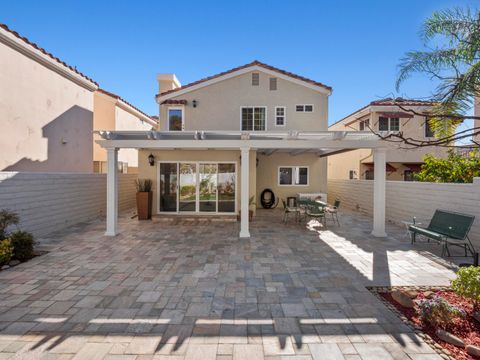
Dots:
(438, 312)
(144, 185)
(467, 283)
(22, 243)
(6, 251)
(7, 218)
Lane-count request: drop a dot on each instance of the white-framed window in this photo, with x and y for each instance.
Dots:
(176, 119)
(352, 175)
(304, 108)
(280, 115)
(255, 79)
(364, 125)
(388, 124)
(293, 176)
(273, 83)
(253, 118)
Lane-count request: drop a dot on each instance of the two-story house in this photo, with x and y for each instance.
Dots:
(385, 115)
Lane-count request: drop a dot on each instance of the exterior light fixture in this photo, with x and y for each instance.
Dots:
(151, 159)
(194, 103)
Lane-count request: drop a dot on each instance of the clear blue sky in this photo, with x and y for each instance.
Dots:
(353, 46)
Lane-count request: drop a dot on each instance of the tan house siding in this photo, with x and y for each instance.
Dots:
(219, 104)
(46, 119)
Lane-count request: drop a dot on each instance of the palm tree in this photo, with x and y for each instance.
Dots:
(452, 58)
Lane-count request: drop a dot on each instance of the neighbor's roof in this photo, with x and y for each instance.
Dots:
(42, 50)
(253, 63)
(390, 102)
(115, 96)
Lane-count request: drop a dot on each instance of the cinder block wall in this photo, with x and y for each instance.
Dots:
(407, 199)
(47, 202)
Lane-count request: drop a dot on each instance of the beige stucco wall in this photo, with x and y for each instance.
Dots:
(103, 119)
(340, 165)
(267, 174)
(46, 119)
(218, 105)
(151, 172)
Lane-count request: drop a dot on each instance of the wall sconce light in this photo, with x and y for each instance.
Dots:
(194, 103)
(151, 159)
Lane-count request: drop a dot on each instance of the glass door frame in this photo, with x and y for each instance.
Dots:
(197, 174)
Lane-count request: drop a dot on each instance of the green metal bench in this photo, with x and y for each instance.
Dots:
(448, 228)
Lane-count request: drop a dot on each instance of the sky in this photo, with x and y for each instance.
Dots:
(353, 46)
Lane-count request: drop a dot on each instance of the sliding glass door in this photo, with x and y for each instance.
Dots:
(203, 187)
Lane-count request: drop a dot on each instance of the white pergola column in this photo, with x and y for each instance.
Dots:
(244, 192)
(379, 163)
(112, 191)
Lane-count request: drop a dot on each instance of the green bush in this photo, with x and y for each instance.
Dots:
(22, 243)
(438, 312)
(144, 185)
(6, 251)
(467, 283)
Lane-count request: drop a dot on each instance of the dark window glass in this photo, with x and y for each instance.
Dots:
(428, 129)
(299, 108)
(253, 119)
(175, 119)
(369, 175)
(255, 79)
(308, 108)
(273, 83)
(286, 176)
(301, 177)
(383, 124)
(394, 124)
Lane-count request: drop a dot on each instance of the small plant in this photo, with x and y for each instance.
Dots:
(22, 243)
(144, 185)
(439, 312)
(251, 201)
(7, 218)
(6, 251)
(467, 284)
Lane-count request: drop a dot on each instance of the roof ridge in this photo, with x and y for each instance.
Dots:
(253, 63)
(42, 50)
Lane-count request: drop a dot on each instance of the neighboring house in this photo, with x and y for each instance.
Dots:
(111, 112)
(384, 115)
(46, 110)
(49, 110)
(255, 98)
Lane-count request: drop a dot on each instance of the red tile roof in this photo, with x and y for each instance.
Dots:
(390, 102)
(253, 63)
(126, 102)
(35, 46)
(175, 102)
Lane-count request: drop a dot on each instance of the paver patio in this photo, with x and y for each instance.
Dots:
(194, 290)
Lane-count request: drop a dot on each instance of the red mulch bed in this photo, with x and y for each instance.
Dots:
(467, 329)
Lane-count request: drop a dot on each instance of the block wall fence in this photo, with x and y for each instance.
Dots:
(47, 202)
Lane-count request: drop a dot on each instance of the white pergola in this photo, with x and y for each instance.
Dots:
(294, 142)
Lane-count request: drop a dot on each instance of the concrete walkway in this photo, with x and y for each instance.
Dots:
(193, 290)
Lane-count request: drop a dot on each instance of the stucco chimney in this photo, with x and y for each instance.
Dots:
(167, 82)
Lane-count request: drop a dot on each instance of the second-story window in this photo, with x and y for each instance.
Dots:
(273, 83)
(364, 125)
(255, 79)
(175, 119)
(388, 124)
(280, 116)
(428, 129)
(253, 118)
(304, 108)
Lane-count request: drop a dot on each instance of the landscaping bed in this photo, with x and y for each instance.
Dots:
(464, 328)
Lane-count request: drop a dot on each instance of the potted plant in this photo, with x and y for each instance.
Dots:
(251, 202)
(144, 199)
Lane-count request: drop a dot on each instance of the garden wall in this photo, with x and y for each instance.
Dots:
(47, 202)
(407, 199)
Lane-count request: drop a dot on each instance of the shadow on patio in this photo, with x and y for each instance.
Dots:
(195, 290)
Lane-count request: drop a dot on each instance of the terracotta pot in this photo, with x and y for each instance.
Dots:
(144, 205)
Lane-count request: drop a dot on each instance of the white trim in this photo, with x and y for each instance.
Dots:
(291, 167)
(303, 111)
(284, 116)
(254, 106)
(176, 107)
(242, 71)
(197, 177)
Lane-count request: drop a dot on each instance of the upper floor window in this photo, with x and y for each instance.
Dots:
(273, 83)
(428, 129)
(388, 124)
(255, 79)
(293, 175)
(304, 108)
(364, 124)
(175, 119)
(254, 118)
(280, 112)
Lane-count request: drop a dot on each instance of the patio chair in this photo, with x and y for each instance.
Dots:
(333, 211)
(316, 212)
(288, 210)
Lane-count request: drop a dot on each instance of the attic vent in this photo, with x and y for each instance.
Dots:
(255, 79)
(273, 83)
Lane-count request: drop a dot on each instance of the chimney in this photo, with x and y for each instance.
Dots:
(167, 82)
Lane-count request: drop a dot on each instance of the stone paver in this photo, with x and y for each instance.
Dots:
(184, 289)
